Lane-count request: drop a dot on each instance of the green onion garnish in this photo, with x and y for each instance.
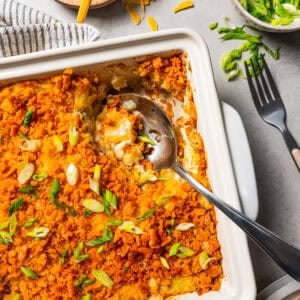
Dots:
(39, 177)
(5, 238)
(77, 256)
(109, 200)
(146, 215)
(174, 249)
(107, 236)
(103, 277)
(144, 137)
(38, 232)
(28, 118)
(15, 205)
(63, 256)
(29, 273)
(12, 225)
(23, 136)
(30, 222)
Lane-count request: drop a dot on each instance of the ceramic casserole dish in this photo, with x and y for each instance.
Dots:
(238, 281)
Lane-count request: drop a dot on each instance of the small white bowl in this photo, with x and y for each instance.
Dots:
(295, 26)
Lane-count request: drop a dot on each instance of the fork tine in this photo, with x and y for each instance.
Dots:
(264, 82)
(271, 81)
(252, 88)
(254, 64)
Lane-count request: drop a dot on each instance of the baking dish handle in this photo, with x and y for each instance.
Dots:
(242, 161)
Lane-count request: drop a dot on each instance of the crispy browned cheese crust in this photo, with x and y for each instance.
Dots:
(137, 261)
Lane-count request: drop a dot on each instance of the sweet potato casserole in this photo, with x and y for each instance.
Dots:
(83, 214)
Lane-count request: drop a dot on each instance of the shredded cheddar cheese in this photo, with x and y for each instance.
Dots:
(183, 5)
(152, 23)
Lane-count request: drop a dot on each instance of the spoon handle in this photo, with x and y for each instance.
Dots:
(283, 253)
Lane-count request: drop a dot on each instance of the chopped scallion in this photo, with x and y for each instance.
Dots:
(38, 232)
(28, 118)
(146, 215)
(15, 205)
(29, 273)
(39, 177)
(103, 277)
(174, 249)
(93, 205)
(107, 236)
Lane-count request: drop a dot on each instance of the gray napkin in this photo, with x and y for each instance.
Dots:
(24, 30)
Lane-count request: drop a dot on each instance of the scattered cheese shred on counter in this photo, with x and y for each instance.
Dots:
(133, 14)
(183, 5)
(138, 16)
(152, 23)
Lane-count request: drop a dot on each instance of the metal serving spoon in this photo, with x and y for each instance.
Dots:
(164, 155)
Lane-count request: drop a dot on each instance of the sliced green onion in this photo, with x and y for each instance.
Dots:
(15, 205)
(146, 215)
(86, 297)
(87, 213)
(4, 225)
(107, 236)
(144, 137)
(109, 200)
(103, 277)
(147, 176)
(93, 205)
(184, 252)
(28, 189)
(38, 232)
(63, 256)
(30, 145)
(16, 297)
(30, 222)
(12, 225)
(213, 26)
(87, 282)
(77, 256)
(94, 185)
(184, 226)
(174, 249)
(97, 172)
(26, 173)
(58, 143)
(5, 238)
(23, 136)
(72, 174)
(80, 280)
(28, 118)
(162, 200)
(130, 227)
(81, 258)
(164, 262)
(55, 189)
(73, 136)
(39, 177)
(100, 249)
(114, 222)
(29, 273)
(204, 259)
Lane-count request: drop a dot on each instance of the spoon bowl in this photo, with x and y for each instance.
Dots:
(164, 155)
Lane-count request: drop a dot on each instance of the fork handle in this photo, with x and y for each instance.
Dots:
(292, 146)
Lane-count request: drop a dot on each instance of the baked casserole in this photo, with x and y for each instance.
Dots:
(83, 214)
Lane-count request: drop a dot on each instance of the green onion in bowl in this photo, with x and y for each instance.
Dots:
(270, 15)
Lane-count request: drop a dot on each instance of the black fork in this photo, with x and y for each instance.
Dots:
(269, 104)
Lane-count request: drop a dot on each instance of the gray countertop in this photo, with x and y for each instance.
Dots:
(277, 177)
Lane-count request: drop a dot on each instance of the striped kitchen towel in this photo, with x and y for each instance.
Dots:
(24, 30)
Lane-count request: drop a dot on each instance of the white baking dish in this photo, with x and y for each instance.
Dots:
(238, 282)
